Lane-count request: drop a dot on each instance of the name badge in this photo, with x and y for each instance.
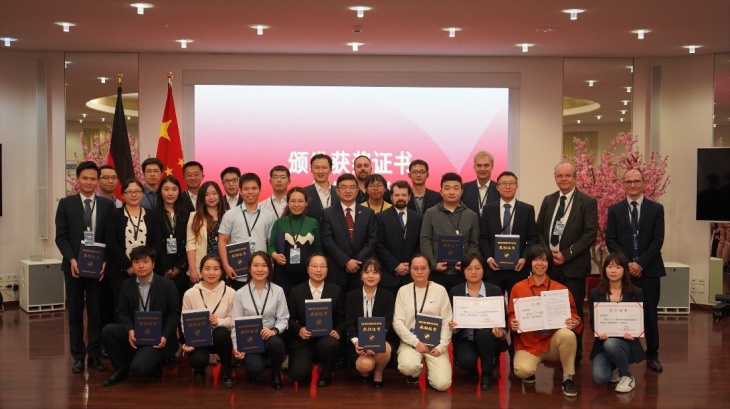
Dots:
(88, 237)
(171, 245)
(295, 256)
(252, 246)
(559, 228)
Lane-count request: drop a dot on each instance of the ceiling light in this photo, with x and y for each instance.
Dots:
(103, 119)
(452, 31)
(599, 117)
(640, 32)
(691, 48)
(103, 79)
(573, 13)
(360, 10)
(625, 101)
(66, 25)
(577, 121)
(355, 46)
(129, 118)
(259, 28)
(631, 68)
(623, 111)
(621, 119)
(591, 82)
(66, 63)
(525, 46)
(8, 40)
(628, 89)
(81, 121)
(141, 6)
(184, 42)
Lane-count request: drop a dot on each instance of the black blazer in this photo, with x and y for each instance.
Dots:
(383, 306)
(637, 351)
(579, 235)
(297, 312)
(470, 197)
(179, 260)
(70, 227)
(336, 239)
(523, 224)
(651, 235)
(491, 290)
(163, 297)
(116, 243)
(314, 206)
(225, 201)
(188, 202)
(394, 245)
(430, 199)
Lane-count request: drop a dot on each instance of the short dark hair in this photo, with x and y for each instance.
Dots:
(102, 167)
(450, 177)
(418, 162)
(128, 182)
(420, 255)
(141, 252)
(401, 184)
(375, 178)
(190, 164)
(321, 156)
(467, 259)
(87, 165)
(249, 177)
(231, 169)
(152, 161)
(507, 173)
(295, 189)
(326, 260)
(214, 258)
(346, 176)
(537, 251)
(280, 168)
(372, 261)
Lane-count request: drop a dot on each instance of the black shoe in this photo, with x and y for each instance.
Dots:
(485, 383)
(276, 381)
(378, 384)
(104, 354)
(227, 380)
(569, 388)
(78, 366)
(118, 376)
(199, 376)
(412, 380)
(96, 364)
(324, 382)
(654, 365)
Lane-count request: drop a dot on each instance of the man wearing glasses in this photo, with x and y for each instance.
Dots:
(375, 186)
(107, 183)
(279, 179)
(230, 177)
(151, 173)
(422, 198)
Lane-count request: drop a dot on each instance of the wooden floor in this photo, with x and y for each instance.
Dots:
(35, 373)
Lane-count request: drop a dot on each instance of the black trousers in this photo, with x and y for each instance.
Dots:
(303, 355)
(141, 361)
(483, 346)
(222, 345)
(651, 289)
(80, 293)
(577, 288)
(256, 363)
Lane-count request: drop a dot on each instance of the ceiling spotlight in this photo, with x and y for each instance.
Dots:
(259, 28)
(577, 121)
(525, 46)
(599, 117)
(184, 42)
(141, 6)
(360, 10)
(691, 48)
(628, 89)
(81, 121)
(625, 101)
(573, 13)
(640, 32)
(355, 46)
(8, 40)
(66, 25)
(129, 118)
(621, 119)
(452, 31)
(631, 68)
(102, 79)
(591, 82)
(623, 111)
(103, 119)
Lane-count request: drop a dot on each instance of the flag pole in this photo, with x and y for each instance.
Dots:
(119, 79)
(169, 78)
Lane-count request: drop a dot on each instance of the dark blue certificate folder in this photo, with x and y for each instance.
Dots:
(506, 250)
(371, 333)
(238, 255)
(91, 260)
(428, 329)
(319, 316)
(196, 326)
(248, 334)
(148, 327)
(450, 248)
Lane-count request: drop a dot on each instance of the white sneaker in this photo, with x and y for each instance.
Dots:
(625, 384)
(285, 364)
(614, 376)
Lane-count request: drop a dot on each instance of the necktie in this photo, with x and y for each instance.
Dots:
(555, 239)
(634, 218)
(350, 223)
(401, 217)
(87, 212)
(506, 219)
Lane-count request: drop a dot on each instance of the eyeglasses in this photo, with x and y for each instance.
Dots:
(133, 192)
(632, 182)
(234, 180)
(279, 177)
(348, 187)
(108, 178)
(507, 184)
(318, 266)
(418, 172)
(376, 186)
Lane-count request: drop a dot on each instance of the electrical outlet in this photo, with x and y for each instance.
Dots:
(11, 278)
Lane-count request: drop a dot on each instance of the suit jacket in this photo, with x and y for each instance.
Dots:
(297, 312)
(71, 224)
(470, 197)
(188, 202)
(651, 235)
(163, 297)
(179, 260)
(225, 201)
(383, 306)
(523, 224)
(490, 290)
(637, 351)
(396, 245)
(336, 239)
(315, 209)
(430, 199)
(579, 235)
(116, 243)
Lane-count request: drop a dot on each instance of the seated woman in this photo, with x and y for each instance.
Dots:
(369, 301)
(305, 349)
(612, 356)
(423, 297)
(212, 294)
(533, 347)
(261, 297)
(481, 343)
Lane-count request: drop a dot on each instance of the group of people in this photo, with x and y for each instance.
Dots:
(373, 251)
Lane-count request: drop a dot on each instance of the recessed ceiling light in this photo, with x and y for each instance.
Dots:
(577, 121)
(640, 32)
(691, 48)
(591, 82)
(129, 118)
(184, 42)
(452, 31)
(360, 10)
(141, 6)
(631, 68)
(573, 13)
(355, 46)
(599, 117)
(103, 79)
(83, 115)
(8, 40)
(525, 46)
(623, 111)
(103, 119)
(621, 119)
(628, 89)
(259, 28)
(625, 101)
(81, 121)
(66, 25)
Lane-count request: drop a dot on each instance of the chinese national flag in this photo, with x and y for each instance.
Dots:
(169, 146)
(120, 153)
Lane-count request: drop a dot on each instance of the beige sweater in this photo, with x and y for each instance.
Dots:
(192, 300)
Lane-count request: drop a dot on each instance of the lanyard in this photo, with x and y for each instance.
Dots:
(250, 291)
(273, 206)
(139, 222)
(458, 221)
(144, 303)
(296, 236)
(89, 222)
(219, 301)
(548, 287)
(253, 226)
(170, 223)
(486, 192)
(423, 303)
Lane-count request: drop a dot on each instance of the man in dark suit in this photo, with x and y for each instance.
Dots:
(636, 228)
(398, 238)
(82, 217)
(482, 190)
(507, 216)
(349, 233)
(148, 292)
(193, 175)
(230, 177)
(568, 224)
(321, 193)
(422, 198)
